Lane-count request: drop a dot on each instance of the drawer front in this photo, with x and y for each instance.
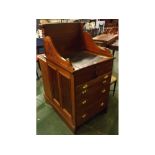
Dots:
(83, 117)
(92, 93)
(92, 72)
(93, 89)
(103, 101)
(85, 74)
(103, 80)
(83, 114)
(104, 67)
(84, 103)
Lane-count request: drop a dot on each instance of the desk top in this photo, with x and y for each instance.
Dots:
(81, 59)
(84, 59)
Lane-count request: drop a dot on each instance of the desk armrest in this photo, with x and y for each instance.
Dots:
(53, 55)
(91, 46)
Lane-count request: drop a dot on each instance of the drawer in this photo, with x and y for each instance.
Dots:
(104, 67)
(92, 92)
(84, 103)
(103, 80)
(83, 117)
(102, 104)
(84, 114)
(85, 74)
(92, 72)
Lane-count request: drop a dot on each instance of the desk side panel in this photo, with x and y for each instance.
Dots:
(45, 77)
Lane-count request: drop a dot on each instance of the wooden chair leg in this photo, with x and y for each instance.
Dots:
(114, 88)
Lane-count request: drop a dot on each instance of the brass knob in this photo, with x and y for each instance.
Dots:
(84, 91)
(84, 115)
(104, 81)
(103, 91)
(85, 86)
(84, 102)
(106, 76)
(102, 104)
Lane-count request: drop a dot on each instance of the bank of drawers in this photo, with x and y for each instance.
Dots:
(92, 97)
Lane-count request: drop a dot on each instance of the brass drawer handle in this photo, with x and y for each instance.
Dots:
(84, 115)
(84, 91)
(104, 81)
(103, 91)
(102, 104)
(84, 102)
(85, 86)
(106, 76)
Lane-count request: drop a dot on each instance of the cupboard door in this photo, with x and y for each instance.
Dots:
(54, 84)
(65, 87)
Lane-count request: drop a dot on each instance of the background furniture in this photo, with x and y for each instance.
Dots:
(106, 39)
(76, 73)
(40, 46)
(114, 47)
(39, 50)
(113, 81)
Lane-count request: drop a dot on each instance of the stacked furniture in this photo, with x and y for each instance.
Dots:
(76, 73)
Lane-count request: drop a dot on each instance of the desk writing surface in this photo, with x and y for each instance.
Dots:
(84, 59)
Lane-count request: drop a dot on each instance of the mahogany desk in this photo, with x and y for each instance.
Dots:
(76, 73)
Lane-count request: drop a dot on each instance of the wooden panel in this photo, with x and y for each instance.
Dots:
(63, 115)
(85, 75)
(60, 69)
(65, 36)
(54, 83)
(104, 67)
(65, 92)
(46, 82)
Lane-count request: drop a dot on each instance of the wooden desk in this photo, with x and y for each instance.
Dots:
(76, 73)
(106, 39)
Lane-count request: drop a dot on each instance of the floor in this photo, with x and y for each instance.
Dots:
(48, 122)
